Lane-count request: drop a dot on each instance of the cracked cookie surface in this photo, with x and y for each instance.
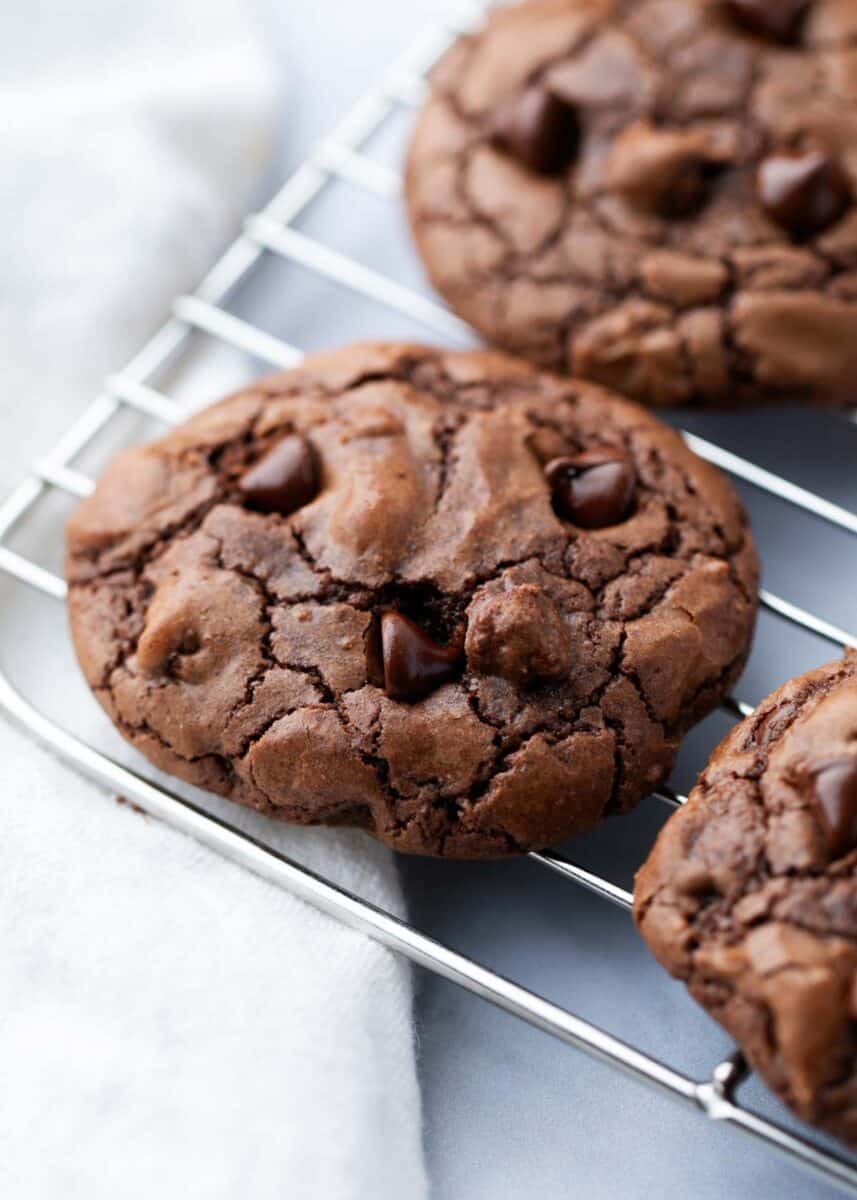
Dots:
(651, 194)
(422, 642)
(750, 895)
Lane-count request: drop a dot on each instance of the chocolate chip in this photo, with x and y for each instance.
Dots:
(538, 129)
(836, 795)
(777, 20)
(413, 664)
(594, 489)
(805, 191)
(284, 479)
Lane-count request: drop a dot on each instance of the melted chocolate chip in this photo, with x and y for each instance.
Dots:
(803, 191)
(594, 489)
(776, 20)
(284, 479)
(538, 129)
(836, 796)
(413, 664)
(374, 656)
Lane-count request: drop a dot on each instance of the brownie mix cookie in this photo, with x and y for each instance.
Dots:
(463, 604)
(750, 894)
(655, 194)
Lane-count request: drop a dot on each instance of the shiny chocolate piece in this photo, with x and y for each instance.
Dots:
(538, 129)
(775, 20)
(804, 191)
(284, 479)
(592, 490)
(414, 664)
(836, 796)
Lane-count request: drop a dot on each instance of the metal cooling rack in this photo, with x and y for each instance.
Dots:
(271, 232)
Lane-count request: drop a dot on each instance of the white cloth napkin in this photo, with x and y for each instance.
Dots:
(170, 1026)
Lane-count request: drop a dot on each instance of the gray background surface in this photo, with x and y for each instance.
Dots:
(508, 1110)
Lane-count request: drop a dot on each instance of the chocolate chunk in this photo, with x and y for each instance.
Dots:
(663, 171)
(777, 20)
(413, 663)
(519, 634)
(538, 129)
(804, 191)
(836, 794)
(594, 489)
(284, 479)
(687, 194)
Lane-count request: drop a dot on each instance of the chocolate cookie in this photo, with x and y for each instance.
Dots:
(466, 605)
(750, 894)
(655, 194)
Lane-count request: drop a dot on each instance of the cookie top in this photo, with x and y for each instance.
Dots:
(750, 894)
(654, 194)
(464, 604)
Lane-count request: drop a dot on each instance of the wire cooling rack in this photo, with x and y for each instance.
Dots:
(272, 231)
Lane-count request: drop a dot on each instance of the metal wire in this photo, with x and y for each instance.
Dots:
(339, 157)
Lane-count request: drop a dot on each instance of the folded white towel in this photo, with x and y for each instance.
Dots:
(170, 1026)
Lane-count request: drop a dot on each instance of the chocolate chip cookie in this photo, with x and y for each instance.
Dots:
(466, 605)
(655, 194)
(750, 894)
